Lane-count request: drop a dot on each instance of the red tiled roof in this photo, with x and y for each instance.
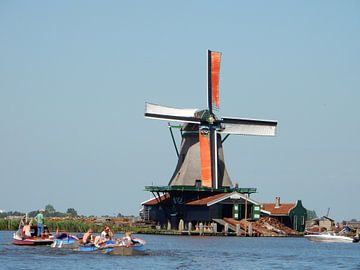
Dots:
(206, 200)
(155, 201)
(282, 210)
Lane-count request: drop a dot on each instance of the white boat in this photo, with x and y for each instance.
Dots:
(330, 238)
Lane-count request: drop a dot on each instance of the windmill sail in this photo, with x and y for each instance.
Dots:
(214, 59)
(248, 126)
(205, 157)
(170, 113)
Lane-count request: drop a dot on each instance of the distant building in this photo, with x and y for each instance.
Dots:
(293, 215)
(322, 223)
(353, 224)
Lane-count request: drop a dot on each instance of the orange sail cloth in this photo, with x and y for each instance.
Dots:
(205, 157)
(215, 73)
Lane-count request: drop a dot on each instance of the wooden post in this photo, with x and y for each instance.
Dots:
(238, 230)
(250, 230)
(181, 225)
(214, 226)
(226, 228)
(190, 227)
(201, 228)
(246, 207)
(168, 226)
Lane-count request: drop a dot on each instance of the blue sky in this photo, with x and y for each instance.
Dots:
(74, 76)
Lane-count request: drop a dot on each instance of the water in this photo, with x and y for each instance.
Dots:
(183, 252)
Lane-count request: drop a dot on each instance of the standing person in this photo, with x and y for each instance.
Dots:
(40, 222)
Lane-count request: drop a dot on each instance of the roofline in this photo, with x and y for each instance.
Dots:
(155, 197)
(295, 204)
(226, 196)
(266, 212)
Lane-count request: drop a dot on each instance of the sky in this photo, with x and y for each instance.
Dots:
(74, 77)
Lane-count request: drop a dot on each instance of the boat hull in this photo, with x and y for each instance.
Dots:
(67, 242)
(329, 238)
(126, 251)
(117, 249)
(32, 242)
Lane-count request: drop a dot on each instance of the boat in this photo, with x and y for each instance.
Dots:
(31, 241)
(65, 240)
(20, 239)
(330, 237)
(117, 248)
(138, 248)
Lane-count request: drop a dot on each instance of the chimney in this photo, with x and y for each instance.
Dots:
(277, 202)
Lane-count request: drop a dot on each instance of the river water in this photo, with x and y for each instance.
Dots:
(191, 252)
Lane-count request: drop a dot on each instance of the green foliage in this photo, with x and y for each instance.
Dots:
(9, 224)
(33, 213)
(71, 212)
(311, 214)
(75, 225)
(11, 213)
(49, 209)
(70, 225)
(55, 214)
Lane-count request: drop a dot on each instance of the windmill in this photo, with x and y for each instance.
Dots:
(201, 155)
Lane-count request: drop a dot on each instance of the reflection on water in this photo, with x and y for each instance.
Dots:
(184, 252)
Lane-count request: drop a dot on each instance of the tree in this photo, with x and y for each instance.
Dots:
(311, 214)
(50, 209)
(71, 212)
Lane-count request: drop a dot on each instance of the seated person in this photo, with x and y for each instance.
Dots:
(26, 230)
(88, 237)
(46, 232)
(128, 239)
(106, 234)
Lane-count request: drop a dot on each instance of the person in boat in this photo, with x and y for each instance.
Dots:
(128, 239)
(46, 231)
(40, 222)
(88, 237)
(106, 234)
(26, 230)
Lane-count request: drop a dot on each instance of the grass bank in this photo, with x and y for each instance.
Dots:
(74, 225)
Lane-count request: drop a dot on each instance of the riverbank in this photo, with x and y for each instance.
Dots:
(121, 225)
(82, 224)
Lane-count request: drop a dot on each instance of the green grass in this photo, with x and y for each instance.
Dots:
(69, 225)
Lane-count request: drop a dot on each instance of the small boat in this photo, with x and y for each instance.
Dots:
(65, 240)
(117, 248)
(331, 238)
(20, 239)
(31, 241)
(137, 248)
